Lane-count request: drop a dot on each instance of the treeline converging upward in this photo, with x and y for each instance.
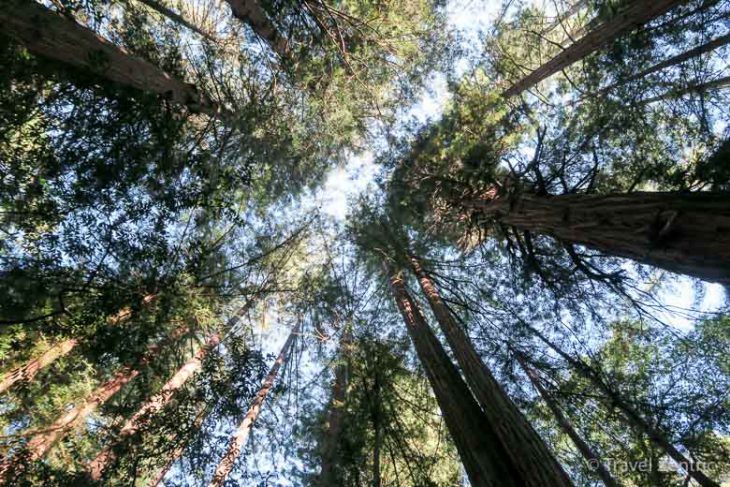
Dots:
(179, 306)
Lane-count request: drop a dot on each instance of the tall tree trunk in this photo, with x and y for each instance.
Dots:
(251, 12)
(239, 437)
(686, 233)
(486, 461)
(41, 443)
(155, 404)
(537, 465)
(590, 456)
(377, 428)
(614, 399)
(711, 85)
(633, 15)
(180, 448)
(335, 413)
(177, 18)
(51, 35)
(27, 372)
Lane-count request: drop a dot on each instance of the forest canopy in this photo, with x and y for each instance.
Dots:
(365, 243)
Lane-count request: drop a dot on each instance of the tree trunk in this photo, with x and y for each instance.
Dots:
(486, 461)
(634, 418)
(378, 430)
(686, 233)
(28, 371)
(41, 443)
(335, 413)
(49, 34)
(633, 15)
(536, 463)
(179, 449)
(591, 457)
(239, 437)
(176, 18)
(251, 12)
(155, 404)
(714, 84)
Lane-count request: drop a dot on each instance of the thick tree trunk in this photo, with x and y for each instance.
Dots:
(590, 456)
(634, 418)
(241, 435)
(27, 372)
(686, 233)
(251, 12)
(155, 404)
(177, 18)
(536, 463)
(335, 413)
(51, 35)
(633, 15)
(486, 461)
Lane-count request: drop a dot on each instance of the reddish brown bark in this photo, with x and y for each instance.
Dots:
(486, 461)
(536, 463)
(590, 456)
(241, 435)
(686, 233)
(251, 12)
(51, 35)
(633, 15)
(155, 404)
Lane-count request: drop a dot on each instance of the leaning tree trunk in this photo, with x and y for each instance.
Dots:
(486, 461)
(51, 35)
(156, 403)
(686, 233)
(179, 449)
(612, 398)
(27, 372)
(590, 456)
(251, 12)
(635, 14)
(41, 443)
(538, 466)
(176, 18)
(702, 87)
(239, 437)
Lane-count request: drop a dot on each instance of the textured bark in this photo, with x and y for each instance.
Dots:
(635, 14)
(49, 34)
(155, 404)
(251, 12)
(177, 18)
(686, 233)
(590, 456)
(613, 399)
(241, 435)
(534, 460)
(486, 461)
(41, 443)
(27, 372)
(335, 413)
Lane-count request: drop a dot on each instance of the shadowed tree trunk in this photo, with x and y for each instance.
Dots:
(714, 84)
(251, 12)
(177, 18)
(686, 233)
(590, 456)
(614, 399)
(241, 435)
(538, 466)
(180, 448)
(155, 404)
(27, 372)
(51, 35)
(633, 15)
(486, 461)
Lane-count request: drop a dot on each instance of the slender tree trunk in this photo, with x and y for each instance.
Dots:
(633, 15)
(179, 449)
(686, 233)
(378, 429)
(634, 418)
(155, 404)
(41, 443)
(27, 372)
(251, 12)
(590, 456)
(335, 413)
(241, 435)
(486, 461)
(177, 18)
(51, 35)
(714, 84)
(537, 465)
